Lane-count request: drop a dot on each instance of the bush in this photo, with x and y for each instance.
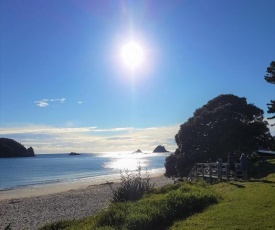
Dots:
(132, 187)
(158, 209)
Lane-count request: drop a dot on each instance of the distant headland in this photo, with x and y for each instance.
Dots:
(11, 148)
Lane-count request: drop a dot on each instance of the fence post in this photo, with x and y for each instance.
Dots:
(227, 172)
(210, 171)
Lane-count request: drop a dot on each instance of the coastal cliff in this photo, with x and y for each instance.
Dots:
(11, 148)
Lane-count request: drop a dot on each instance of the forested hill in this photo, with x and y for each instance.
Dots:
(11, 148)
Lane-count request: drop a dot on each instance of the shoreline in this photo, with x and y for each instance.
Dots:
(60, 187)
(32, 210)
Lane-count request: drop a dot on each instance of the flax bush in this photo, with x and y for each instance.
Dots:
(132, 186)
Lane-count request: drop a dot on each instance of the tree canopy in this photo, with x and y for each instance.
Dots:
(270, 78)
(225, 124)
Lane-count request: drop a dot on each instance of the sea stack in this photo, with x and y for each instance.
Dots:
(160, 149)
(74, 154)
(138, 151)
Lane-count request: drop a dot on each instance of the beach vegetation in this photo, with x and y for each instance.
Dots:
(132, 187)
(156, 210)
(225, 124)
(192, 205)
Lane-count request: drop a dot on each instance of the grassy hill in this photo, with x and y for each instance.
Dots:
(196, 205)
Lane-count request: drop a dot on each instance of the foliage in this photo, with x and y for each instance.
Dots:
(132, 186)
(225, 124)
(270, 78)
(260, 169)
(157, 211)
(11, 148)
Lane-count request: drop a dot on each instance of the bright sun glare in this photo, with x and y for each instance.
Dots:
(127, 163)
(132, 55)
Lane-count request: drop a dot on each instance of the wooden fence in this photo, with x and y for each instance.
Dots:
(215, 171)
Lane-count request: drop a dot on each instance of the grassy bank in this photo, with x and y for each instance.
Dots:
(244, 205)
(156, 210)
(238, 205)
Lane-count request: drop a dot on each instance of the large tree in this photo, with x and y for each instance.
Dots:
(270, 78)
(225, 124)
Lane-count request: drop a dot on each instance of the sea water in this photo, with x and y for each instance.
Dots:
(54, 168)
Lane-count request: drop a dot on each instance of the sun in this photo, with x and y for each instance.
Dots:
(132, 54)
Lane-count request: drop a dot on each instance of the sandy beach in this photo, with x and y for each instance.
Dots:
(33, 207)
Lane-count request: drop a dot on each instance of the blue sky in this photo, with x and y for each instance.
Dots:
(64, 86)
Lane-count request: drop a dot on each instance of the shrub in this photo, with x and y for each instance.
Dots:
(132, 186)
(158, 211)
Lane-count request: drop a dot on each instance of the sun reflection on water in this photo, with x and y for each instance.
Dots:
(126, 163)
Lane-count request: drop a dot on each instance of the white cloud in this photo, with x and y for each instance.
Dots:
(42, 103)
(61, 100)
(47, 139)
(46, 102)
(80, 102)
(44, 130)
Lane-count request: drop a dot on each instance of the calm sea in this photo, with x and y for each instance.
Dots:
(54, 168)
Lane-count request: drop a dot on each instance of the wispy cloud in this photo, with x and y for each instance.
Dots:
(44, 129)
(47, 139)
(42, 103)
(46, 102)
(61, 100)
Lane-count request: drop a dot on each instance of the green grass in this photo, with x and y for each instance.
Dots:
(157, 210)
(244, 205)
(238, 205)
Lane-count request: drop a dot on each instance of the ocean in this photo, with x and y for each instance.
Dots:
(55, 168)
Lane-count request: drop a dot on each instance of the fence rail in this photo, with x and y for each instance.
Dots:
(215, 171)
